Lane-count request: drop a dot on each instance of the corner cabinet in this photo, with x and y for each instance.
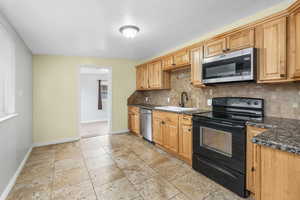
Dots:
(271, 46)
(196, 66)
(134, 119)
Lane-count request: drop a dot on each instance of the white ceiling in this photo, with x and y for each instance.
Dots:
(90, 27)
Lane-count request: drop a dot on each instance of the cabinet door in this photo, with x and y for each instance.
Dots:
(185, 142)
(214, 47)
(279, 175)
(145, 77)
(271, 44)
(294, 45)
(170, 133)
(157, 131)
(139, 78)
(136, 122)
(240, 40)
(155, 75)
(182, 58)
(196, 66)
(168, 62)
(251, 157)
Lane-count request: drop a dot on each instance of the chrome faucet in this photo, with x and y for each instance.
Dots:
(182, 101)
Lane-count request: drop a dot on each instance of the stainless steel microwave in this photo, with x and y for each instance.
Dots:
(235, 66)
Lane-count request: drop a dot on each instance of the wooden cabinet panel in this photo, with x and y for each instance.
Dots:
(214, 47)
(251, 157)
(170, 133)
(294, 45)
(182, 58)
(279, 175)
(134, 119)
(142, 77)
(157, 130)
(240, 40)
(196, 66)
(168, 62)
(271, 44)
(185, 138)
(155, 75)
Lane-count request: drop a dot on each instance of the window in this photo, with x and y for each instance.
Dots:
(7, 73)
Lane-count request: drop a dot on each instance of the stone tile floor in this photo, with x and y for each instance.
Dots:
(94, 129)
(118, 167)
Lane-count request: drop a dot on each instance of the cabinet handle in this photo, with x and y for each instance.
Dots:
(189, 130)
(282, 75)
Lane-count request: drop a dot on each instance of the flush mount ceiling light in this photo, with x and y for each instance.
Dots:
(129, 31)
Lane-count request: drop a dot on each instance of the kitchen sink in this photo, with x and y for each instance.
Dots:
(175, 108)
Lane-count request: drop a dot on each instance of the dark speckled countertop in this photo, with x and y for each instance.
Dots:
(282, 133)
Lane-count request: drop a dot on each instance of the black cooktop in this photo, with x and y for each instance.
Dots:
(231, 117)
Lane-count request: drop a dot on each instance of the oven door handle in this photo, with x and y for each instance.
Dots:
(226, 124)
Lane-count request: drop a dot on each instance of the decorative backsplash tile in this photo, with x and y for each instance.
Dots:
(281, 100)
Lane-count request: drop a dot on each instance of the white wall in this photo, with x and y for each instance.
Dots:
(89, 98)
(16, 133)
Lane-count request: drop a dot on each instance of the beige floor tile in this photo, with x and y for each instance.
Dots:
(180, 196)
(138, 174)
(69, 177)
(93, 153)
(128, 160)
(30, 191)
(67, 164)
(68, 154)
(120, 189)
(195, 186)
(82, 191)
(36, 171)
(95, 163)
(106, 175)
(157, 188)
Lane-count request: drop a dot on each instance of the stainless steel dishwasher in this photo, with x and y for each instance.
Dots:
(146, 124)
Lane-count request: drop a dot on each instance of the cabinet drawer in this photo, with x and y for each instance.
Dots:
(186, 120)
(170, 117)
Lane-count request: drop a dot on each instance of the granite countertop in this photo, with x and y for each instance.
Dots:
(282, 133)
(154, 107)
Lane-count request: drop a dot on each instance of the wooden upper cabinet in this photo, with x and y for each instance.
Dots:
(155, 74)
(214, 47)
(142, 77)
(182, 58)
(240, 40)
(168, 62)
(294, 45)
(271, 44)
(251, 157)
(196, 66)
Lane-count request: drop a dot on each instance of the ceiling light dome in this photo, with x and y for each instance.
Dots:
(129, 31)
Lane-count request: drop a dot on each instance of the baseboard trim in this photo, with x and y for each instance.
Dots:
(56, 142)
(119, 132)
(94, 121)
(13, 180)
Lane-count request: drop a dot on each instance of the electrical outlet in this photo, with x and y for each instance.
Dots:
(168, 99)
(209, 102)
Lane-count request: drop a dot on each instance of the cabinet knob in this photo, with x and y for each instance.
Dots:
(189, 130)
(252, 169)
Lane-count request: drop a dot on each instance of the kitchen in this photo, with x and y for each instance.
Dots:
(202, 100)
(238, 78)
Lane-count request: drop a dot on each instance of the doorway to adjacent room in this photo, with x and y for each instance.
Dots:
(95, 101)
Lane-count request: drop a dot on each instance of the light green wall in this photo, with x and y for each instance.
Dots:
(55, 94)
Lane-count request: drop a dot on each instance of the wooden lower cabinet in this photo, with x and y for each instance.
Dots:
(173, 132)
(278, 175)
(251, 157)
(185, 138)
(134, 119)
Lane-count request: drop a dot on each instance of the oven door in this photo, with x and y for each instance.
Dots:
(228, 68)
(221, 142)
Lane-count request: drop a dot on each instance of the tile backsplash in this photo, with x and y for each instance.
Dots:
(281, 100)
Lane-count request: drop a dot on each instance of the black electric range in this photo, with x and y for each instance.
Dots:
(219, 140)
